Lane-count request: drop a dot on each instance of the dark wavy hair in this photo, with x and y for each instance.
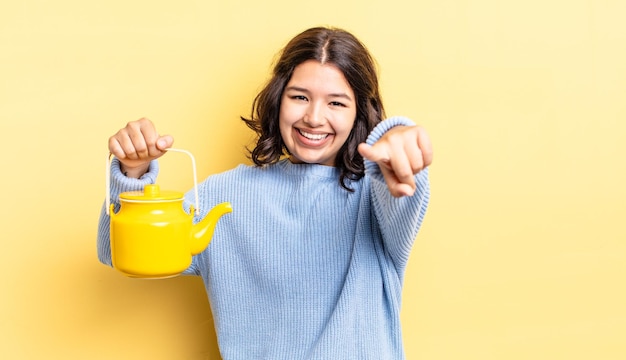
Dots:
(328, 46)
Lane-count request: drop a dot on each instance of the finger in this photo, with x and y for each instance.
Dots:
(415, 157)
(115, 148)
(144, 136)
(401, 164)
(396, 188)
(390, 165)
(426, 147)
(164, 142)
(403, 190)
(128, 142)
(374, 153)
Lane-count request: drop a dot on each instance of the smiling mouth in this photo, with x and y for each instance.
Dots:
(314, 137)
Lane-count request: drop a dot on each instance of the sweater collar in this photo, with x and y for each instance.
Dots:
(318, 170)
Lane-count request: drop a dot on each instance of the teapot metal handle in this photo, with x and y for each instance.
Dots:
(193, 166)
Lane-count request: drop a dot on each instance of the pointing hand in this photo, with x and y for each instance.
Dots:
(401, 152)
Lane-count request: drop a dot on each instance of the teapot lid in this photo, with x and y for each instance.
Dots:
(151, 193)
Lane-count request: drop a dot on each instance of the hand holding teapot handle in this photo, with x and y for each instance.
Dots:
(136, 145)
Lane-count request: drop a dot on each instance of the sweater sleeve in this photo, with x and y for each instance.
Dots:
(119, 184)
(399, 218)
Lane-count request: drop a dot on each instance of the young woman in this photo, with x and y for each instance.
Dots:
(310, 263)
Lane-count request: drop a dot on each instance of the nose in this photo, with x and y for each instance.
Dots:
(314, 116)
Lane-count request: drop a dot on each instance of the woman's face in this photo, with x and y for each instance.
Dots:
(317, 112)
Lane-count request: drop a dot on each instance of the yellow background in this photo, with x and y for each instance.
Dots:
(523, 252)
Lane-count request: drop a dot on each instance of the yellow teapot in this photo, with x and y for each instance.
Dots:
(152, 236)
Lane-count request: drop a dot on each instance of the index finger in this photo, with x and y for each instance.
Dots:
(374, 153)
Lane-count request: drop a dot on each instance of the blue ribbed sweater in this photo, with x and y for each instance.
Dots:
(302, 268)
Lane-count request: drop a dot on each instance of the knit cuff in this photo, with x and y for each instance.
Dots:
(121, 183)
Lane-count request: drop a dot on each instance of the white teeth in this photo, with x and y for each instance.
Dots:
(313, 136)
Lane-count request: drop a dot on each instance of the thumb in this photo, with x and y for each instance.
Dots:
(164, 142)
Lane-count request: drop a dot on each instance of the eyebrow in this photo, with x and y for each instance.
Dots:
(335, 95)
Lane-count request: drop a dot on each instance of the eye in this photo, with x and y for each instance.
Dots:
(337, 103)
(299, 97)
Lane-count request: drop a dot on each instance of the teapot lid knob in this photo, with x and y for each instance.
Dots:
(151, 191)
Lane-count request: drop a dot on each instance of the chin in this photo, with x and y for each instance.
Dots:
(303, 160)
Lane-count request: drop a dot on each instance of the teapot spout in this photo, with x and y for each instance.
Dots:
(202, 232)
